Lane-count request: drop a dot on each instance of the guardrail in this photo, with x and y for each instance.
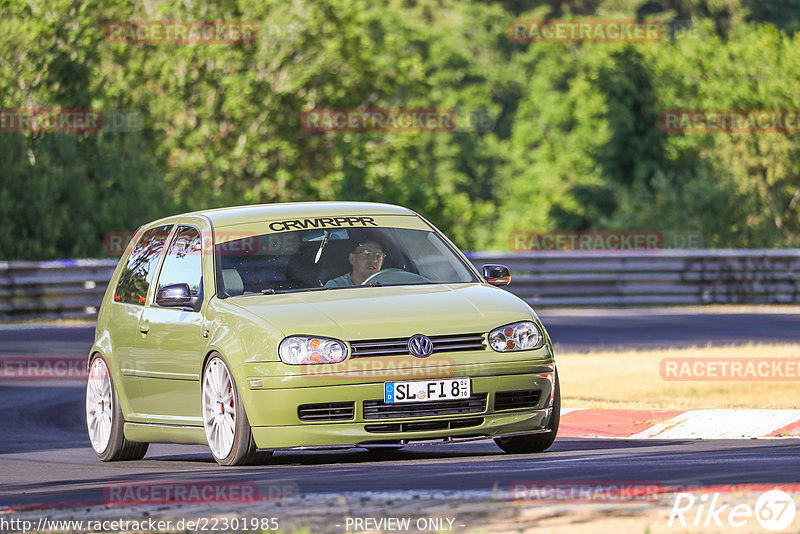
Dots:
(74, 288)
(666, 277)
(53, 289)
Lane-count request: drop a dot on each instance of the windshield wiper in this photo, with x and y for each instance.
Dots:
(270, 291)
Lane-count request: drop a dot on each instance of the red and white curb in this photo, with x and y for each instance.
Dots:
(679, 424)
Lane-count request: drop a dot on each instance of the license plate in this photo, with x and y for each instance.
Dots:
(427, 390)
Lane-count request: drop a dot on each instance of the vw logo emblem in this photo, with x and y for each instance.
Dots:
(420, 346)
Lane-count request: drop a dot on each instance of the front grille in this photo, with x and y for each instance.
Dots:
(327, 411)
(399, 346)
(425, 426)
(377, 409)
(514, 400)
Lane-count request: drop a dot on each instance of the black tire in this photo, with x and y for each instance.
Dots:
(118, 448)
(535, 442)
(243, 450)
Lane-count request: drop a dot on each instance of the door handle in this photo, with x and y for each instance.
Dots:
(144, 328)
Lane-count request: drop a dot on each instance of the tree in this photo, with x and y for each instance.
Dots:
(62, 191)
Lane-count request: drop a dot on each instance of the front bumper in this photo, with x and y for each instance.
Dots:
(345, 435)
(273, 413)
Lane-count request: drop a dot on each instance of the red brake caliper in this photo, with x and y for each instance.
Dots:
(233, 414)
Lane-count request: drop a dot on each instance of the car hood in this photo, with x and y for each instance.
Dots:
(387, 312)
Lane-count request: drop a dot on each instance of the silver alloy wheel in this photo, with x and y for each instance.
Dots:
(218, 408)
(99, 405)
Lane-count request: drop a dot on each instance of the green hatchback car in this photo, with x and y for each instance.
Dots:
(310, 326)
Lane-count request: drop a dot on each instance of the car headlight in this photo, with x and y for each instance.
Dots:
(524, 335)
(301, 350)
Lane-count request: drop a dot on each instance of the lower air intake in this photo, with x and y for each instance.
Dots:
(327, 411)
(425, 426)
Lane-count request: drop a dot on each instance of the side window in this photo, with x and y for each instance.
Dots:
(138, 273)
(183, 264)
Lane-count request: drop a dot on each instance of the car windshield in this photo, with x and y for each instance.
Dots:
(306, 260)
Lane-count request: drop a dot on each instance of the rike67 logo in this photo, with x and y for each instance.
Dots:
(774, 510)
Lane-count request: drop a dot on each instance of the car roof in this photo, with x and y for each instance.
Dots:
(287, 210)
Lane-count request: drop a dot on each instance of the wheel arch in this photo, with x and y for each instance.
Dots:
(116, 377)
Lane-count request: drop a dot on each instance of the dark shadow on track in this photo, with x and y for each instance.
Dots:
(42, 417)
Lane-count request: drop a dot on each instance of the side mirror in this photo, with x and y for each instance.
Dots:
(177, 296)
(497, 275)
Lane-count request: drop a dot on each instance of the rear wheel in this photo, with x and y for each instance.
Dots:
(104, 418)
(535, 442)
(224, 419)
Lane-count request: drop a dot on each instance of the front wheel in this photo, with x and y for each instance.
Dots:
(224, 419)
(535, 442)
(104, 418)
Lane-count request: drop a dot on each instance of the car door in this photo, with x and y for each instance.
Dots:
(130, 295)
(169, 349)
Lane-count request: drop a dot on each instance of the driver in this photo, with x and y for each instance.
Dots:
(366, 259)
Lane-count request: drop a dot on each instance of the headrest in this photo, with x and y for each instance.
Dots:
(233, 282)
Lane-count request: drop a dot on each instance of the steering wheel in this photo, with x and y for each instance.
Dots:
(394, 276)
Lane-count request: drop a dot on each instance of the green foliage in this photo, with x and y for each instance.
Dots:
(571, 137)
(784, 14)
(589, 153)
(60, 192)
(756, 169)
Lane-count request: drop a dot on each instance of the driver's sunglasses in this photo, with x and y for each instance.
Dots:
(369, 254)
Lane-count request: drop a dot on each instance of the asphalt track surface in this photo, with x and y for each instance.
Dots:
(46, 459)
